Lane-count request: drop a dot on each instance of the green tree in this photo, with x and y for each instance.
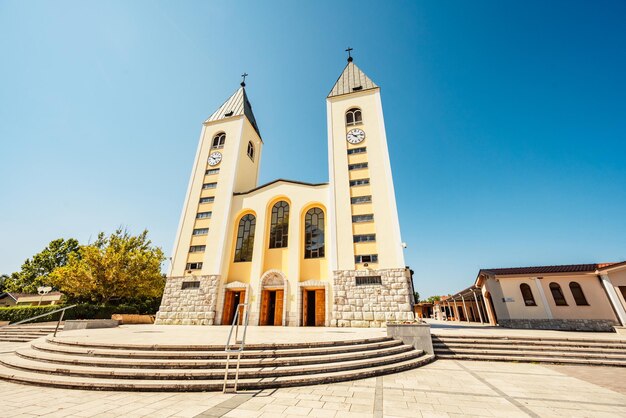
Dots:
(416, 295)
(4, 282)
(36, 270)
(118, 266)
(433, 299)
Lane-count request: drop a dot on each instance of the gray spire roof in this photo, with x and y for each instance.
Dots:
(351, 80)
(236, 105)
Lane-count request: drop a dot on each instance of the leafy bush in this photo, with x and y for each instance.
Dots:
(81, 311)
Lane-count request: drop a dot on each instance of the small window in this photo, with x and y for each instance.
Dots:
(557, 294)
(368, 280)
(362, 218)
(203, 215)
(211, 171)
(367, 258)
(359, 150)
(353, 117)
(364, 238)
(219, 140)
(190, 285)
(251, 150)
(527, 295)
(358, 166)
(209, 185)
(197, 248)
(359, 182)
(194, 266)
(360, 199)
(578, 294)
(200, 231)
(209, 199)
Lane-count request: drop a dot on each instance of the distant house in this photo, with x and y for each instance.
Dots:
(585, 297)
(13, 299)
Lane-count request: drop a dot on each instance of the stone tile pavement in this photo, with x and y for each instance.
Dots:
(445, 388)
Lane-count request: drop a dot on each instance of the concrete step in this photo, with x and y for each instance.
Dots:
(212, 352)
(77, 382)
(571, 342)
(35, 366)
(534, 359)
(195, 347)
(526, 347)
(177, 363)
(527, 353)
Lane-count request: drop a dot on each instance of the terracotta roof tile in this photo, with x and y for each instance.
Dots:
(568, 268)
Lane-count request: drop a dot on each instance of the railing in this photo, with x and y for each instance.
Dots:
(62, 310)
(232, 349)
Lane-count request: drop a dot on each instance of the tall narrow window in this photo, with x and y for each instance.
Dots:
(219, 140)
(245, 239)
(251, 150)
(279, 225)
(314, 233)
(527, 295)
(557, 294)
(578, 294)
(353, 117)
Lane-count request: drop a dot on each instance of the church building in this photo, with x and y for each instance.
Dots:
(299, 254)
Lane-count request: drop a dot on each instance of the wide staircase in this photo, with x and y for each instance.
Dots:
(25, 333)
(61, 363)
(587, 351)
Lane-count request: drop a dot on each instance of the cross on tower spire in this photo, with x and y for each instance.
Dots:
(243, 79)
(348, 51)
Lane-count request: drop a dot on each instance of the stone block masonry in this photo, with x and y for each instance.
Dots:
(189, 300)
(357, 304)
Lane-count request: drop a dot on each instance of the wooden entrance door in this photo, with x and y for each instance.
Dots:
(232, 299)
(320, 307)
(278, 312)
(313, 307)
(272, 307)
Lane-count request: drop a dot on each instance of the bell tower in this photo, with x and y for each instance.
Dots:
(227, 161)
(367, 258)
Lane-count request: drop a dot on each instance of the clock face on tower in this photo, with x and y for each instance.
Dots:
(355, 136)
(215, 158)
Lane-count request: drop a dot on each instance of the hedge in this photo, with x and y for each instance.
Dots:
(81, 311)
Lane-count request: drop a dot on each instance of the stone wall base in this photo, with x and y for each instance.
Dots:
(371, 305)
(596, 325)
(190, 306)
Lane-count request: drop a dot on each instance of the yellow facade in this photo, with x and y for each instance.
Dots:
(247, 243)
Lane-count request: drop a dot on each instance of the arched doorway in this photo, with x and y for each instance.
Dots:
(272, 309)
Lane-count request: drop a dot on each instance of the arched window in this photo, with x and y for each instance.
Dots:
(557, 294)
(314, 233)
(279, 225)
(245, 239)
(578, 294)
(353, 116)
(251, 150)
(219, 140)
(527, 295)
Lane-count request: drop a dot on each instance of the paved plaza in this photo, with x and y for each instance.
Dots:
(445, 388)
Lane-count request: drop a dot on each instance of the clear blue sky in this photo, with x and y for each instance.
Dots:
(506, 121)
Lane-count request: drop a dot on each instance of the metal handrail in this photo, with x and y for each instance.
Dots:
(242, 343)
(62, 310)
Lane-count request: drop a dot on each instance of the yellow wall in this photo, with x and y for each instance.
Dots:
(388, 244)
